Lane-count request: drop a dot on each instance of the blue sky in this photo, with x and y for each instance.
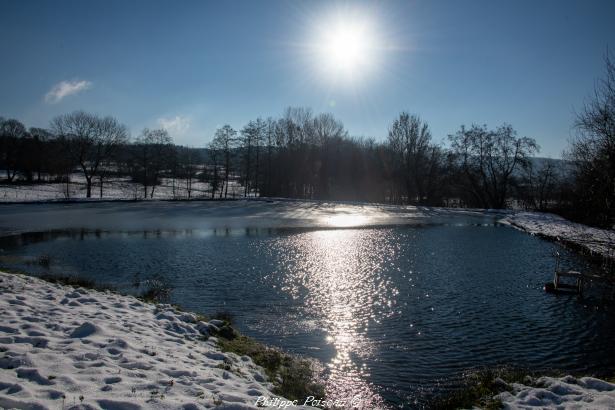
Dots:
(192, 66)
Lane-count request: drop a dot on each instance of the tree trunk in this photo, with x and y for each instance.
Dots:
(68, 185)
(227, 163)
(226, 182)
(145, 184)
(246, 190)
(268, 184)
(214, 182)
(88, 181)
(256, 172)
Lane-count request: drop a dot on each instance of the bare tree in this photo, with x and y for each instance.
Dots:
(92, 140)
(224, 141)
(154, 149)
(11, 133)
(269, 138)
(188, 168)
(488, 160)
(327, 134)
(539, 185)
(249, 134)
(592, 152)
(213, 174)
(409, 139)
(112, 136)
(40, 154)
(252, 137)
(258, 142)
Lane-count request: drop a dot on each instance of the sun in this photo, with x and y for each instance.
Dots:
(346, 48)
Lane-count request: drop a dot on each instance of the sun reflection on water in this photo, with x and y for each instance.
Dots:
(341, 272)
(343, 220)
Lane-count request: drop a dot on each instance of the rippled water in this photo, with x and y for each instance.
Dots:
(395, 313)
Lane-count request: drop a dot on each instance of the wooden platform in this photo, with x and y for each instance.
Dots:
(575, 285)
(571, 281)
(574, 282)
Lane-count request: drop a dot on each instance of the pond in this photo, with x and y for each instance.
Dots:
(395, 310)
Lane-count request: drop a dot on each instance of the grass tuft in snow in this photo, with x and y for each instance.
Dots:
(44, 261)
(224, 315)
(479, 388)
(293, 377)
(158, 290)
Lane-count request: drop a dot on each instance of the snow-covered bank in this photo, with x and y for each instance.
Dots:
(561, 393)
(593, 240)
(62, 347)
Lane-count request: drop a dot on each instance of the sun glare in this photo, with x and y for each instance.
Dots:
(346, 220)
(346, 48)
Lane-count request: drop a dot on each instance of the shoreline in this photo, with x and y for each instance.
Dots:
(593, 242)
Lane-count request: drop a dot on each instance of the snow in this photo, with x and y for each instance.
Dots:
(62, 347)
(113, 188)
(561, 393)
(594, 240)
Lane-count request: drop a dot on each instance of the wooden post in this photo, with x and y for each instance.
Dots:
(556, 275)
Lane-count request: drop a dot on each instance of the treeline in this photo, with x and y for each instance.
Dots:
(302, 155)
(299, 155)
(312, 156)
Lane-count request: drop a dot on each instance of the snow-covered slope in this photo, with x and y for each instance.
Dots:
(593, 240)
(563, 393)
(62, 347)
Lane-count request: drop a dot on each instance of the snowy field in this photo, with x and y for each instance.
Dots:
(63, 348)
(563, 393)
(593, 240)
(113, 188)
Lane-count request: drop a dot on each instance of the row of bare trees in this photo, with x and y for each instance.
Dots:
(302, 155)
(299, 155)
(96, 146)
(24, 151)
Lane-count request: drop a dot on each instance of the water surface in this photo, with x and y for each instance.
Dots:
(396, 311)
